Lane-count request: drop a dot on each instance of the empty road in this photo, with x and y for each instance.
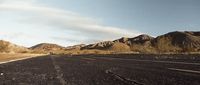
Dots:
(102, 70)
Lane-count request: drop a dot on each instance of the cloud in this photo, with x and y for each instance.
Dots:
(42, 14)
(20, 38)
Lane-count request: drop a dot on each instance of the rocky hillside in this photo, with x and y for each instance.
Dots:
(178, 41)
(47, 47)
(101, 45)
(175, 42)
(120, 47)
(170, 42)
(136, 40)
(141, 39)
(75, 47)
(7, 47)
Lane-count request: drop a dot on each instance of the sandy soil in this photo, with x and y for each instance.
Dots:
(4, 57)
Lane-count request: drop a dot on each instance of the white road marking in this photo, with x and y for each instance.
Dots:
(59, 72)
(186, 63)
(185, 70)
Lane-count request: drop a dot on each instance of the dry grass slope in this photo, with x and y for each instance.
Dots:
(7, 47)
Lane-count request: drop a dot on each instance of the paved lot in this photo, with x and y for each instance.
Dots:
(103, 70)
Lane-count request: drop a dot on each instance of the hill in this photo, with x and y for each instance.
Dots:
(122, 44)
(47, 47)
(7, 47)
(176, 42)
(75, 47)
(172, 42)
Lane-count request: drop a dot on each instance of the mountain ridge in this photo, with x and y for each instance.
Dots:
(175, 42)
(47, 47)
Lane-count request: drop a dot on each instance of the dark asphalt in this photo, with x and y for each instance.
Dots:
(103, 70)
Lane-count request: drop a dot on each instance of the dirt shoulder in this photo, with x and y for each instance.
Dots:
(6, 57)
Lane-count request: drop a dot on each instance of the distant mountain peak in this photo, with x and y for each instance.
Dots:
(142, 37)
(47, 47)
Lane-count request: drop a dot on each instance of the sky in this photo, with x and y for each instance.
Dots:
(71, 22)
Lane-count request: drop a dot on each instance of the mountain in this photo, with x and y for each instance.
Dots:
(178, 42)
(141, 39)
(47, 47)
(75, 47)
(187, 41)
(101, 45)
(172, 42)
(120, 47)
(136, 40)
(7, 47)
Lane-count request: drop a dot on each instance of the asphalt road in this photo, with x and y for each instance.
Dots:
(103, 70)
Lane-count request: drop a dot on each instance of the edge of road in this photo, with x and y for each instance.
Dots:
(24, 58)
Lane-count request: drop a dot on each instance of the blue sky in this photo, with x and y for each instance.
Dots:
(70, 22)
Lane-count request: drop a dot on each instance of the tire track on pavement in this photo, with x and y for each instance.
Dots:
(58, 70)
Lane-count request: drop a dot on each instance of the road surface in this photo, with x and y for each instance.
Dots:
(101, 70)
